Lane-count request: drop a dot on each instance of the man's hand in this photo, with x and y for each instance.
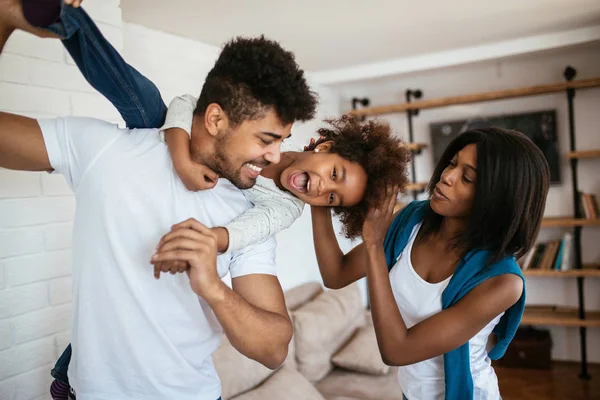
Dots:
(192, 244)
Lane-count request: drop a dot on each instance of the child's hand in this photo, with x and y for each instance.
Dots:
(193, 175)
(196, 176)
(222, 235)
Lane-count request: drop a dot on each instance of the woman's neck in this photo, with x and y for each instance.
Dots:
(450, 228)
(443, 239)
(274, 171)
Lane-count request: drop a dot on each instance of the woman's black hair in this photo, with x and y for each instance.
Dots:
(510, 193)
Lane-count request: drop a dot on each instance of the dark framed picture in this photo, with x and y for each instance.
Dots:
(539, 126)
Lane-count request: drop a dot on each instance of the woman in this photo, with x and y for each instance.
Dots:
(442, 273)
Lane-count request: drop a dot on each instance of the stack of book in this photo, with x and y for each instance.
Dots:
(555, 255)
(589, 205)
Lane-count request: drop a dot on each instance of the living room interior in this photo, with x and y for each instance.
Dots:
(432, 70)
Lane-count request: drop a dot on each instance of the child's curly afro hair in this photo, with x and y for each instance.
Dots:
(384, 157)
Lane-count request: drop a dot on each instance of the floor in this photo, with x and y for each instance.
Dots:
(560, 382)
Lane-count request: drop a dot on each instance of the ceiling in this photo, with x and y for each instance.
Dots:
(333, 34)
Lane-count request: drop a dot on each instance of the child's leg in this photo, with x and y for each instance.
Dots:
(136, 98)
(59, 372)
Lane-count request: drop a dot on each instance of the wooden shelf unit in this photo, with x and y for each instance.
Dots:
(559, 316)
(588, 271)
(417, 187)
(533, 316)
(568, 222)
(583, 154)
(416, 147)
(477, 97)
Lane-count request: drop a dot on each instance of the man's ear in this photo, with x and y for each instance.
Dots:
(324, 147)
(215, 119)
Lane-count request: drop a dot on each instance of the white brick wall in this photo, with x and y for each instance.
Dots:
(19, 184)
(24, 299)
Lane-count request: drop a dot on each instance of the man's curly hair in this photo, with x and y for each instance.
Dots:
(253, 75)
(384, 158)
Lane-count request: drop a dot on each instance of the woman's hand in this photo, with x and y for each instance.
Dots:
(379, 219)
(311, 143)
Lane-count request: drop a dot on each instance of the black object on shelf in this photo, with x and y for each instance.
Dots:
(363, 102)
(530, 348)
(539, 126)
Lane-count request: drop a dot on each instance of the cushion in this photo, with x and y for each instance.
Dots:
(322, 326)
(239, 373)
(361, 354)
(285, 384)
(341, 384)
(299, 295)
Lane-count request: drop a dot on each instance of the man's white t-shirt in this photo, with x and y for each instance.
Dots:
(135, 337)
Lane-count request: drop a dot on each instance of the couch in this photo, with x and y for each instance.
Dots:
(333, 354)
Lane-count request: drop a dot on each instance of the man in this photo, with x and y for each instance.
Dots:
(135, 337)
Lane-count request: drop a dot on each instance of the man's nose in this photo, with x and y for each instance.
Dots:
(274, 154)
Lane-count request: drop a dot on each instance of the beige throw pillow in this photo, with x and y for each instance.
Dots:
(361, 354)
(322, 326)
(239, 373)
(285, 384)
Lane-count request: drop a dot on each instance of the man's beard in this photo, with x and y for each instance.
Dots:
(224, 167)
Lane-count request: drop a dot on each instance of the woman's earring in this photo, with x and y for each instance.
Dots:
(316, 150)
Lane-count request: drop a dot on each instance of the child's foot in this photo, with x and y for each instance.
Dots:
(59, 390)
(11, 18)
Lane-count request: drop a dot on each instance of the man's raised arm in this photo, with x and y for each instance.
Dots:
(22, 145)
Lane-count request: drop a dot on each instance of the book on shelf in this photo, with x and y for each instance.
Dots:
(555, 255)
(588, 204)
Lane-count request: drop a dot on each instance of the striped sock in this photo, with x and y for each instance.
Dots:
(59, 390)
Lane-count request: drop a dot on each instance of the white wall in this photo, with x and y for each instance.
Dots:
(38, 79)
(513, 73)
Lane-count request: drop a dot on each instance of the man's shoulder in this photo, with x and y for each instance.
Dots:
(80, 124)
(89, 123)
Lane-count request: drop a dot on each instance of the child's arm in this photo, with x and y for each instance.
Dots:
(177, 128)
(337, 269)
(274, 210)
